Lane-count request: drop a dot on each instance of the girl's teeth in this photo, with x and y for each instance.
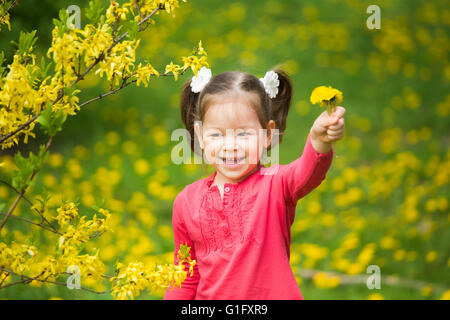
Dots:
(234, 160)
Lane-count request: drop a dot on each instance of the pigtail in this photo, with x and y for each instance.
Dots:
(282, 102)
(188, 103)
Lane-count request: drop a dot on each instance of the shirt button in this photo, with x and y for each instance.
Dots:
(225, 230)
(225, 201)
(227, 189)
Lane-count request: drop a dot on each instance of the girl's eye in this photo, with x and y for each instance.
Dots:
(243, 134)
(214, 135)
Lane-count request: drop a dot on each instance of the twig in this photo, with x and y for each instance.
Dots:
(29, 221)
(49, 142)
(29, 279)
(124, 84)
(31, 204)
(12, 5)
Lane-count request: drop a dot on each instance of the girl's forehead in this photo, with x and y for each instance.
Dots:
(230, 114)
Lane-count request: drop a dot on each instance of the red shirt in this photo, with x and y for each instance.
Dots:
(242, 244)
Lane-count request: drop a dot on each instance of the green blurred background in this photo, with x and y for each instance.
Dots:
(385, 198)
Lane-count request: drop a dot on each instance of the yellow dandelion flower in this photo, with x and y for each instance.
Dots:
(327, 97)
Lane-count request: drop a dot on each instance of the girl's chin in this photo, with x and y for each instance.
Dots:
(234, 166)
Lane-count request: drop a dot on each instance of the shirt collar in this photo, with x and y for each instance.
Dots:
(209, 180)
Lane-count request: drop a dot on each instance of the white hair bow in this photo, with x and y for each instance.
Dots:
(199, 82)
(271, 83)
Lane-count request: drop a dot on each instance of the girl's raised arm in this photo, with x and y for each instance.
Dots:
(188, 288)
(304, 174)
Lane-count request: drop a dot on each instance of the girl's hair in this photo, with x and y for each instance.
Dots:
(194, 105)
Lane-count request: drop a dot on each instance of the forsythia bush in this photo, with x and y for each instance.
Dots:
(34, 90)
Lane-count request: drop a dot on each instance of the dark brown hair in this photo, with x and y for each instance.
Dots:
(194, 105)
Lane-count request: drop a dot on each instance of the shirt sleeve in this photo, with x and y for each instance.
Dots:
(188, 288)
(304, 174)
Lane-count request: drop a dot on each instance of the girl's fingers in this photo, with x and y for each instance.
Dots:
(338, 125)
(334, 132)
(333, 138)
(335, 127)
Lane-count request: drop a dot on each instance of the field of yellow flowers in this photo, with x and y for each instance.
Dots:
(384, 201)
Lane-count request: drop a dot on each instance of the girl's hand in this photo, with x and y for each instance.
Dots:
(327, 129)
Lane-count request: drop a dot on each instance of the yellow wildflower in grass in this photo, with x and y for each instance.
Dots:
(141, 166)
(426, 291)
(112, 138)
(324, 281)
(338, 184)
(328, 220)
(313, 251)
(301, 225)
(431, 256)
(327, 97)
(146, 217)
(389, 243)
(446, 295)
(375, 296)
(355, 268)
(314, 207)
(55, 160)
(165, 231)
(49, 181)
(341, 264)
(399, 255)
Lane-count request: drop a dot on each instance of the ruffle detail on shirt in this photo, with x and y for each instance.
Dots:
(236, 220)
(208, 219)
(243, 208)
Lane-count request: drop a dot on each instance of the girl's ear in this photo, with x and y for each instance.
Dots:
(270, 127)
(197, 131)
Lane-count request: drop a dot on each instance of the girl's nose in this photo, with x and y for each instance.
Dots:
(230, 143)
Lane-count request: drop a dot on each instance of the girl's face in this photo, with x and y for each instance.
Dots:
(233, 139)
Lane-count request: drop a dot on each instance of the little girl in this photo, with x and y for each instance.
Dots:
(237, 221)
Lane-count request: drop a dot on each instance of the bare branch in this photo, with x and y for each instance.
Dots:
(31, 204)
(22, 192)
(29, 221)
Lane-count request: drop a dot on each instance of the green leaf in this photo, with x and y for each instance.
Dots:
(2, 205)
(94, 11)
(132, 28)
(52, 121)
(21, 176)
(61, 23)
(44, 68)
(26, 42)
(2, 59)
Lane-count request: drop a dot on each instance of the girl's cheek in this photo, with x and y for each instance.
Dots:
(251, 149)
(211, 151)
